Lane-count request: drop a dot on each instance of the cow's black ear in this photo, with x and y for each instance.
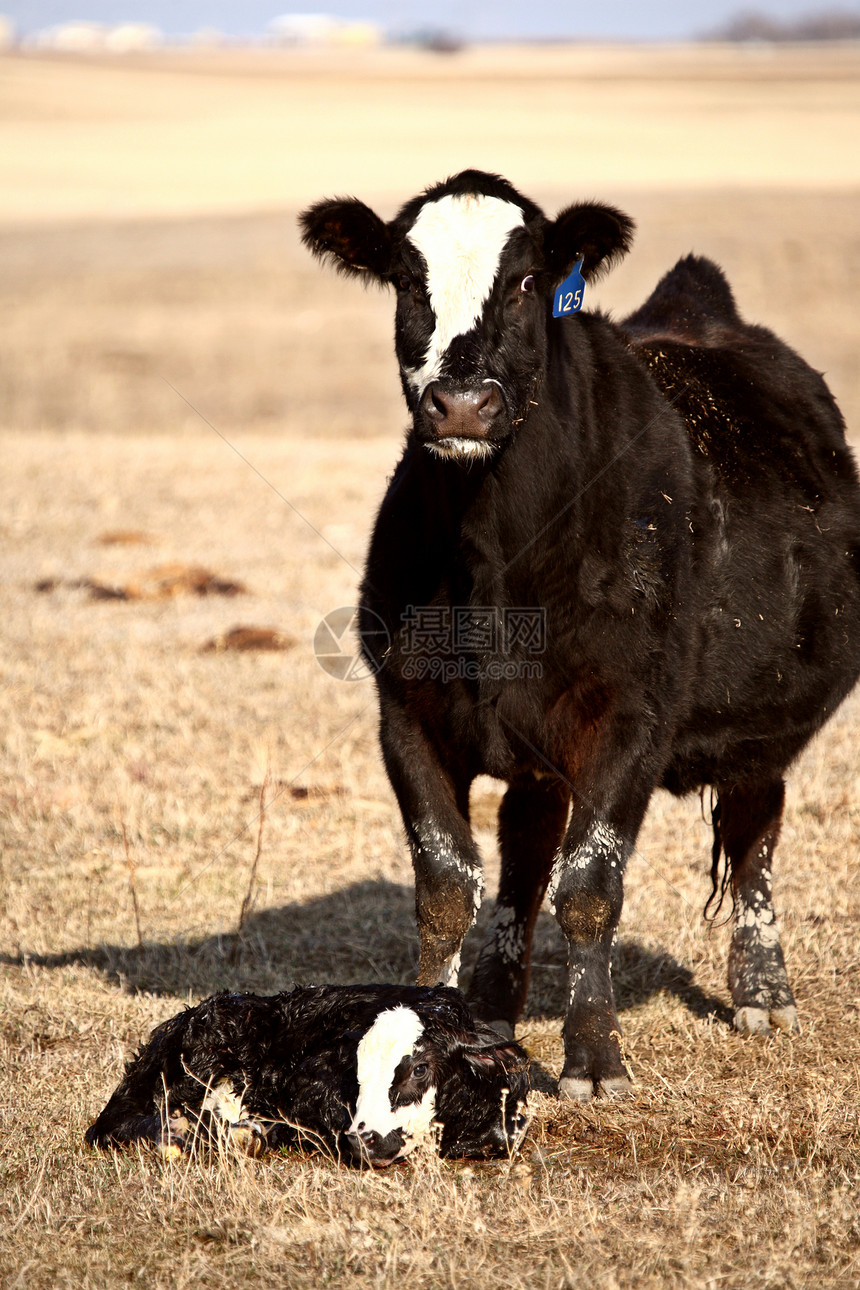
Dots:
(599, 235)
(505, 1053)
(350, 234)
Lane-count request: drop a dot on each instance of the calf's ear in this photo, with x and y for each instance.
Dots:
(599, 235)
(346, 232)
(486, 1057)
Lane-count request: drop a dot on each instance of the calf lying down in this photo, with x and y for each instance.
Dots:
(366, 1073)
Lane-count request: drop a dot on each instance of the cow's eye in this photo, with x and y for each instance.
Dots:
(420, 1070)
(404, 282)
(528, 283)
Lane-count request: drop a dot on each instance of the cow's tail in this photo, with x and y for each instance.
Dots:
(720, 873)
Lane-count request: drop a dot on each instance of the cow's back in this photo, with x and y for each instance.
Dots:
(778, 506)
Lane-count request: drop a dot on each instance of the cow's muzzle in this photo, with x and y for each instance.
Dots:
(463, 413)
(366, 1147)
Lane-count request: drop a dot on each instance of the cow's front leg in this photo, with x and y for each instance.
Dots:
(449, 881)
(532, 818)
(747, 826)
(586, 892)
(449, 884)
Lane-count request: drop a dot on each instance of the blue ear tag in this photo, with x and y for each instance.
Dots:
(569, 296)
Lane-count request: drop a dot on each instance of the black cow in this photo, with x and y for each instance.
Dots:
(366, 1073)
(673, 499)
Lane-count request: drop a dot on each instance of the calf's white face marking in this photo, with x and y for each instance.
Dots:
(461, 238)
(223, 1102)
(392, 1037)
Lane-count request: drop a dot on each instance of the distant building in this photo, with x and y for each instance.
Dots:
(130, 37)
(92, 37)
(760, 28)
(321, 29)
(365, 34)
(72, 37)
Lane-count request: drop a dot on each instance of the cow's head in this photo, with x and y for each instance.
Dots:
(422, 1076)
(474, 265)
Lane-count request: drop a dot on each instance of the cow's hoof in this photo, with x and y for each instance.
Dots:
(785, 1018)
(759, 1021)
(615, 1086)
(173, 1138)
(752, 1021)
(171, 1146)
(247, 1137)
(575, 1090)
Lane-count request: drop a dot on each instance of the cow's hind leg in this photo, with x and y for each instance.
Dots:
(746, 824)
(532, 818)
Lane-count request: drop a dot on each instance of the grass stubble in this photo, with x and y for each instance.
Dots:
(138, 771)
(178, 819)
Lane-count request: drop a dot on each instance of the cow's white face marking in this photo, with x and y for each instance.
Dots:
(392, 1037)
(461, 238)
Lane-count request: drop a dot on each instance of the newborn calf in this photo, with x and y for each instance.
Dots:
(363, 1072)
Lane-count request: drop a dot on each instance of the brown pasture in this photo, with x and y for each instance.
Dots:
(182, 393)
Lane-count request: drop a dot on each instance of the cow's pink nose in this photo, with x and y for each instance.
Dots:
(466, 414)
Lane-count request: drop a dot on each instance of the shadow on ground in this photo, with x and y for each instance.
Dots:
(365, 932)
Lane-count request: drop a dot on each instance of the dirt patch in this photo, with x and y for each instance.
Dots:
(163, 582)
(250, 638)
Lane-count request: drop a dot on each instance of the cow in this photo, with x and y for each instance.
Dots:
(363, 1073)
(673, 499)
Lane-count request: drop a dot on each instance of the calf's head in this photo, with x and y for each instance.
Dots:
(415, 1073)
(474, 265)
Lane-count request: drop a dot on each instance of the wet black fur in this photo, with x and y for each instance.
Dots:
(676, 493)
(291, 1058)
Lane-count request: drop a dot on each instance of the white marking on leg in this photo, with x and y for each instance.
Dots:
(451, 973)
(441, 846)
(759, 919)
(392, 1037)
(461, 237)
(575, 977)
(507, 934)
(554, 879)
(600, 843)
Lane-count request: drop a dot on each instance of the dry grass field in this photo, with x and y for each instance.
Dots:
(197, 425)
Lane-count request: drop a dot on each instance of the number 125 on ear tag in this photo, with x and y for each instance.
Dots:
(569, 296)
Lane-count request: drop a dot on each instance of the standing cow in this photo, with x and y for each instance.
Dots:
(675, 499)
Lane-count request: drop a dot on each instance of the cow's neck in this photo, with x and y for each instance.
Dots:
(486, 516)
